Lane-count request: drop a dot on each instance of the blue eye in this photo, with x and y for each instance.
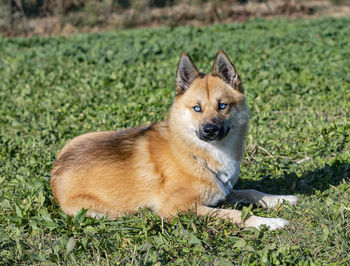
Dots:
(222, 106)
(197, 108)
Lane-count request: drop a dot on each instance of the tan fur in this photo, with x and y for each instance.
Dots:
(164, 167)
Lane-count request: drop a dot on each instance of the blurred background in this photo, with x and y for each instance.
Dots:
(63, 17)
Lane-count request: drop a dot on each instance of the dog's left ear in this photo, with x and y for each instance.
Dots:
(224, 69)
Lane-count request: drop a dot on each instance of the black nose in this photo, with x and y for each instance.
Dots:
(210, 131)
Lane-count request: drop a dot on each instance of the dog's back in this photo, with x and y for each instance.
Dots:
(111, 173)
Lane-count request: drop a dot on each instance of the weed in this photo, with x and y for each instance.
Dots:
(296, 78)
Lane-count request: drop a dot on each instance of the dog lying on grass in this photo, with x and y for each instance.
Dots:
(190, 161)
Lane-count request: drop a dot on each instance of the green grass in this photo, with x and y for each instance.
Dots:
(296, 76)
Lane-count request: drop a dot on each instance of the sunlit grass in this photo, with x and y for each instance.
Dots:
(296, 76)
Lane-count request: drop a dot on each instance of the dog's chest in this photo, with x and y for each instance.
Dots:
(224, 177)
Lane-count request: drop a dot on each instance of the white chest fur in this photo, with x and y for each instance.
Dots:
(226, 152)
(225, 177)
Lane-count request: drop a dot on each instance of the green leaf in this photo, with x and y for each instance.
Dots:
(240, 243)
(80, 217)
(18, 211)
(70, 245)
(194, 240)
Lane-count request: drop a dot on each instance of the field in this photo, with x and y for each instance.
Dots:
(296, 76)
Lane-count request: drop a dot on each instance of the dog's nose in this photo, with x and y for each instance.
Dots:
(210, 130)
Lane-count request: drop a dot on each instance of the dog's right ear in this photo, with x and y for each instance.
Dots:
(186, 73)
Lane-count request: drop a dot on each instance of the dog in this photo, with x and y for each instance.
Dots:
(191, 161)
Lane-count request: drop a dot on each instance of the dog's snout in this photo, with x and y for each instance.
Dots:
(211, 130)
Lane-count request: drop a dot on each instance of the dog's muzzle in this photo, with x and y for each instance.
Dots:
(209, 132)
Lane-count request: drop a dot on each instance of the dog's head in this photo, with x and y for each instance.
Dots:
(209, 106)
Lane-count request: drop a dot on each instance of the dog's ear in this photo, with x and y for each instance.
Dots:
(224, 69)
(186, 73)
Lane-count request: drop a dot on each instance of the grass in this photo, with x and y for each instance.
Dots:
(296, 75)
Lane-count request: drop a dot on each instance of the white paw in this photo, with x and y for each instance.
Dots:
(271, 201)
(293, 200)
(272, 223)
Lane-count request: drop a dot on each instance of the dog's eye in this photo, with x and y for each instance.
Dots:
(222, 106)
(197, 108)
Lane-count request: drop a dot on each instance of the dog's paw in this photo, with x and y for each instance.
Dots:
(271, 223)
(271, 201)
(293, 200)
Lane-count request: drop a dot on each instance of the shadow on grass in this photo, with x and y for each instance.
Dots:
(316, 180)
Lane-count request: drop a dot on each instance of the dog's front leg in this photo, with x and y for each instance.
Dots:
(235, 217)
(252, 196)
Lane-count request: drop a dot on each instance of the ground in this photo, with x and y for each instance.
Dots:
(295, 73)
